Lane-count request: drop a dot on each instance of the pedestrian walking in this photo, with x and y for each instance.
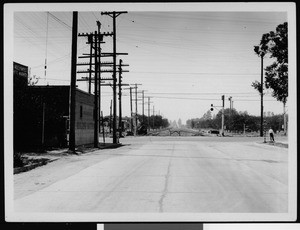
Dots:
(271, 133)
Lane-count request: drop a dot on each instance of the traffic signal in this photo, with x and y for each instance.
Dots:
(212, 109)
(223, 99)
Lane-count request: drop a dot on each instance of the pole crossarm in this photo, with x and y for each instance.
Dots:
(93, 56)
(101, 64)
(113, 53)
(102, 71)
(102, 55)
(116, 84)
(108, 53)
(86, 79)
(113, 13)
(94, 35)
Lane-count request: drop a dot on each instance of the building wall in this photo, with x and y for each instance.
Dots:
(40, 116)
(84, 119)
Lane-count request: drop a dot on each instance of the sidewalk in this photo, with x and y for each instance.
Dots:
(65, 164)
(35, 160)
(280, 141)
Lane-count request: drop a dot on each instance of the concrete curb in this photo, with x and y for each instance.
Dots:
(110, 146)
(277, 144)
(30, 167)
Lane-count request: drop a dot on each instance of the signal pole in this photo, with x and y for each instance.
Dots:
(229, 99)
(73, 82)
(114, 15)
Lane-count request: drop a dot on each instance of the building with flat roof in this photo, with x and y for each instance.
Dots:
(41, 116)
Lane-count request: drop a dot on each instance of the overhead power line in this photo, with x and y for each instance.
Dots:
(205, 99)
(213, 93)
(199, 73)
(60, 21)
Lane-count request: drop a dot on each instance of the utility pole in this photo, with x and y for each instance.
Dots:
(149, 113)
(96, 131)
(102, 121)
(120, 98)
(99, 71)
(90, 40)
(73, 81)
(131, 113)
(95, 39)
(153, 117)
(114, 15)
(136, 110)
(230, 111)
(131, 118)
(222, 128)
(261, 96)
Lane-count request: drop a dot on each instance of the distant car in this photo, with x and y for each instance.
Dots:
(142, 130)
(214, 131)
(129, 133)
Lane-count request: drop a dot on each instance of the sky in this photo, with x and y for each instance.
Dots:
(183, 60)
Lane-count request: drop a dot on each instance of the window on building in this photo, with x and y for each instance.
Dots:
(80, 111)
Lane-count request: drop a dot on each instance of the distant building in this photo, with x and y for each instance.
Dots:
(41, 116)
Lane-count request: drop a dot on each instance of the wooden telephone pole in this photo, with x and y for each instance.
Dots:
(95, 39)
(73, 82)
(114, 15)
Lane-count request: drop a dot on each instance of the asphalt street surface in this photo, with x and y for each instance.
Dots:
(162, 174)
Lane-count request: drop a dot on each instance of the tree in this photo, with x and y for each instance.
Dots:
(207, 115)
(174, 124)
(179, 122)
(276, 74)
(33, 80)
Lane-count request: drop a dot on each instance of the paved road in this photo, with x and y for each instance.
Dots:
(163, 174)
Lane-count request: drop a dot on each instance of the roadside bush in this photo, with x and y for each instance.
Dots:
(18, 160)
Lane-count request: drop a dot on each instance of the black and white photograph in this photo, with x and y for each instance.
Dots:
(150, 112)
